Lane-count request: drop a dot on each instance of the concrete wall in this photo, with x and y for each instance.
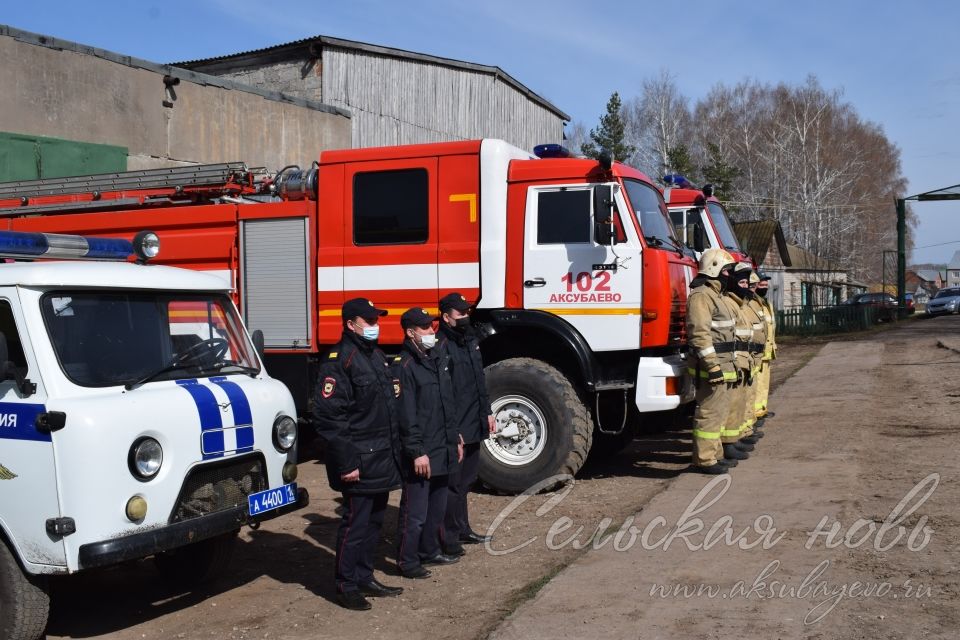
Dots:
(64, 90)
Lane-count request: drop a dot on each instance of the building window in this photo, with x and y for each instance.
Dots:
(563, 217)
(391, 207)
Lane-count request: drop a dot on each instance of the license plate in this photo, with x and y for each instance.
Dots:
(272, 499)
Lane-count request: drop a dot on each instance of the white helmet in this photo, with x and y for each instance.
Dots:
(713, 261)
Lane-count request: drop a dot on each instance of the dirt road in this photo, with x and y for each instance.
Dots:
(857, 428)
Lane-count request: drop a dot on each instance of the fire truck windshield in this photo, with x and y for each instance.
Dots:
(654, 219)
(108, 338)
(725, 232)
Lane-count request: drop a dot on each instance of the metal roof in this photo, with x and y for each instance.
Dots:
(755, 237)
(326, 41)
(184, 74)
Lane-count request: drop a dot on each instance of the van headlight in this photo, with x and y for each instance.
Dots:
(146, 456)
(284, 433)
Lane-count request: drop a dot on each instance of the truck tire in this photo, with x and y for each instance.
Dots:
(199, 562)
(607, 445)
(549, 428)
(24, 602)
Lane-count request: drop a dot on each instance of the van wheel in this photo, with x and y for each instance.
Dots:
(544, 430)
(24, 601)
(199, 562)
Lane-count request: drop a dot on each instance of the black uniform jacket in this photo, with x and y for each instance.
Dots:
(427, 408)
(469, 383)
(354, 411)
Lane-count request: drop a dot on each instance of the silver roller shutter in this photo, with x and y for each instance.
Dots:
(274, 267)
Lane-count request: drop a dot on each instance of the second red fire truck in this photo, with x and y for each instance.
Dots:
(577, 274)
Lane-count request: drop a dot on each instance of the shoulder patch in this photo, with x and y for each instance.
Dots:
(397, 359)
(333, 355)
(329, 386)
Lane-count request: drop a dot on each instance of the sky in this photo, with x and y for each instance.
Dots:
(897, 63)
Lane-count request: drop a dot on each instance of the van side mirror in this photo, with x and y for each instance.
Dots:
(10, 371)
(258, 341)
(603, 230)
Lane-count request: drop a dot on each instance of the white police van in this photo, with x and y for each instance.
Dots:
(136, 419)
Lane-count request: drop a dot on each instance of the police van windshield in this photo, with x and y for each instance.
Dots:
(653, 216)
(727, 237)
(104, 338)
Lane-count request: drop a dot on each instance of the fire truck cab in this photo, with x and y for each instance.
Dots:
(136, 419)
(700, 219)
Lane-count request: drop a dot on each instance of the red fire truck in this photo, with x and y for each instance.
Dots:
(699, 218)
(576, 272)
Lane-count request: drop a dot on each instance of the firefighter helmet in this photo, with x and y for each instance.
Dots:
(754, 278)
(713, 261)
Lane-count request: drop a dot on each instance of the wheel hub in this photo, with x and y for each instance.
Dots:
(520, 433)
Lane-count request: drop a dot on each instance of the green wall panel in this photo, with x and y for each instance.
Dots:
(25, 157)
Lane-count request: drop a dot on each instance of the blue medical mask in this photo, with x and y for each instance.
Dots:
(371, 333)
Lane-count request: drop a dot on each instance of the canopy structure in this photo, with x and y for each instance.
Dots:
(946, 193)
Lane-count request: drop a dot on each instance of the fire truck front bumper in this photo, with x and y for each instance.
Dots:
(663, 383)
(153, 541)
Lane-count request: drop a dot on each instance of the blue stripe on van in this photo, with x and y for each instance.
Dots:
(18, 422)
(211, 426)
(242, 416)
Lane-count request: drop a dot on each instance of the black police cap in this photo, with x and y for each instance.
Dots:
(416, 317)
(361, 308)
(454, 301)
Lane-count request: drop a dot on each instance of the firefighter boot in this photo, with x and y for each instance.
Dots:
(731, 452)
(749, 439)
(714, 469)
(743, 446)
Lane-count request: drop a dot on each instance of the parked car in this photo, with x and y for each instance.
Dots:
(946, 301)
(911, 308)
(884, 302)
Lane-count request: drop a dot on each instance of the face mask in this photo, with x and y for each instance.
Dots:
(428, 341)
(462, 324)
(371, 333)
(762, 292)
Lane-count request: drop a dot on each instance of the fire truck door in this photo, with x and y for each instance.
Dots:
(28, 481)
(594, 287)
(390, 245)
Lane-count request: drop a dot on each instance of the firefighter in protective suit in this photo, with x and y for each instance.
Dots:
(710, 332)
(769, 354)
(755, 347)
(735, 437)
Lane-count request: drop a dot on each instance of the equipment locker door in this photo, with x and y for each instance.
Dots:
(28, 480)
(565, 272)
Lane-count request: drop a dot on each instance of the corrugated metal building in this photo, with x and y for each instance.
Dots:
(397, 96)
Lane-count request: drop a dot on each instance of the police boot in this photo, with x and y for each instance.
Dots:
(743, 446)
(353, 600)
(731, 452)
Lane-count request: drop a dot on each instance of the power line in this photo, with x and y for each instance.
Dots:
(937, 245)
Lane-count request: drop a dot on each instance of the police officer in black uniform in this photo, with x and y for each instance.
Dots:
(474, 417)
(354, 411)
(430, 442)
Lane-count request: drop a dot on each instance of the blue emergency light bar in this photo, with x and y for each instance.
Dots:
(551, 151)
(677, 180)
(21, 244)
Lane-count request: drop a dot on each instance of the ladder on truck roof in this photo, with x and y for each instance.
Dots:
(127, 189)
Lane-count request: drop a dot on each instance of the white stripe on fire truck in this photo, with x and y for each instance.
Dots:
(387, 277)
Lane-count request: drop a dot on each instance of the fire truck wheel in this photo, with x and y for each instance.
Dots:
(24, 602)
(199, 562)
(544, 430)
(606, 445)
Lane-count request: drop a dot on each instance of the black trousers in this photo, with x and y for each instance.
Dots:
(457, 520)
(357, 539)
(422, 506)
